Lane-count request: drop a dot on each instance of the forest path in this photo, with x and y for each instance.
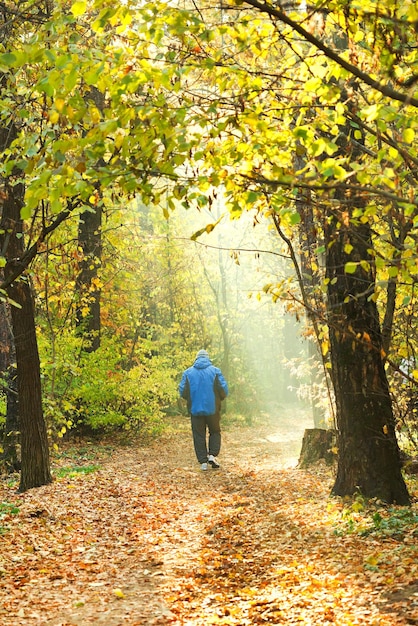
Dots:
(149, 539)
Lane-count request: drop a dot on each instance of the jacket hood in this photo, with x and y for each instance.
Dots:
(202, 362)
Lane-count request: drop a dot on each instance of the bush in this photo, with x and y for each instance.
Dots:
(92, 392)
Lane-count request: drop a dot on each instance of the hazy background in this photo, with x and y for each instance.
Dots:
(267, 353)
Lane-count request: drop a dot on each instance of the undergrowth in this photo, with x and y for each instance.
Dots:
(376, 519)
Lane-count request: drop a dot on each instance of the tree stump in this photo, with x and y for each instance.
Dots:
(317, 445)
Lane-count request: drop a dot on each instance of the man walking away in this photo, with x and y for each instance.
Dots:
(204, 388)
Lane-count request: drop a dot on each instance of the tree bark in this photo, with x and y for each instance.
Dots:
(88, 319)
(88, 308)
(368, 452)
(10, 456)
(35, 464)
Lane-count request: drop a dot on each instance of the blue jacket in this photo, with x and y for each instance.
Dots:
(203, 386)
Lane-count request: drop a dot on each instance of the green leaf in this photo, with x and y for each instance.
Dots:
(71, 79)
(301, 132)
(252, 197)
(8, 59)
(350, 267)
(25, 211)
(45, 86)
(393, 271)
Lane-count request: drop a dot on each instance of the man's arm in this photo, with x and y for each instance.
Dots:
(184, 390)
(221, 386)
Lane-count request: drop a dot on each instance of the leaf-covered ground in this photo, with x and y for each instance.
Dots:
(136, 536)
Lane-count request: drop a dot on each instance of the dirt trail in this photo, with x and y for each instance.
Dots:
(148, 539)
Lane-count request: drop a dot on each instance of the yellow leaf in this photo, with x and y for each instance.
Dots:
(408, 135)
(119, 139)
(385, 429)
(96, 283)
(118, 593)
(59, 104)
(95, 115)
(70, 112)
(54, 117)
(78, 8)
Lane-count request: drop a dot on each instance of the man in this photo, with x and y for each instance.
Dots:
(204, 387)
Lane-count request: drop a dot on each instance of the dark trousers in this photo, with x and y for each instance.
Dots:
(200, 424)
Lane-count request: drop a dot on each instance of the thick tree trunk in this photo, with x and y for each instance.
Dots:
(35, 469)
(35, 465)
(368, 453)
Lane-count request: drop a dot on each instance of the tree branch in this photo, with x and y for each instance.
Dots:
(331, 54)
(20, 265)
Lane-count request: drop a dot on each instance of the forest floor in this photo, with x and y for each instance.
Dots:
(138, 536)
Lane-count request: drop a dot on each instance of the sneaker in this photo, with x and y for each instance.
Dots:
(213, 462)
(204, 467)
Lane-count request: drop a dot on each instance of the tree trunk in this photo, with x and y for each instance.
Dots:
(10, 456)
(88, 309)
(11, 452)
(368, 452)
(88, 320)
(35, 470)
